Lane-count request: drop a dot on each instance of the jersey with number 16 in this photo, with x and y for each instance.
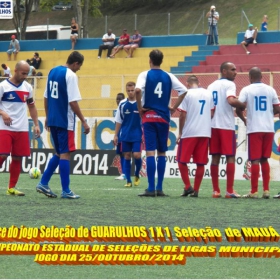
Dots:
(62, 88)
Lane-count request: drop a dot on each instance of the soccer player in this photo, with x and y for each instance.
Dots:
(154, 86)
(15, 96)
(223, 140)
(196, 109)
(262, 103)
(119, 98)
(61, 105)
(128, 120)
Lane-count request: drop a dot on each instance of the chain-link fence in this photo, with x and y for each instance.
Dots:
(99, 92)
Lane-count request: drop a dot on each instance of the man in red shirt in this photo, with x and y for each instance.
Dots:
(124, 40)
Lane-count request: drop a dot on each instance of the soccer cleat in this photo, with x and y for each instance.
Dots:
(216, 194)
(147, 193)
(188, 191)
(14, 191)
(248, 52)
(161, 193)
(265, 194)
(45, 190)
(69, 195)
(277, 195)
(121, 177)
(128, 185)
(251, 195)
(98, 57)
(255, 42)
(194, 194)
(136, 181)
(232, 195)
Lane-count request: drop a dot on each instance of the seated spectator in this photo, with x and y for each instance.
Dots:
(249, 37)
(264, 23)
(13, 48)
(124, 40)
(35, 61)
(7, 71)
(108, 43)
(135, 42)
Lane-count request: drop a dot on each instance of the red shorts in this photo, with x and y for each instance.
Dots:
(260, 145)
(195, 147)
(15, 143)
(222, 142)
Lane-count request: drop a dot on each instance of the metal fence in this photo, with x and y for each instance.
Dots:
(99, 92)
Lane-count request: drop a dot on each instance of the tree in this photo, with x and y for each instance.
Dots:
(21, 18)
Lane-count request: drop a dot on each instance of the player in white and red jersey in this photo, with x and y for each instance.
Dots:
(194, 133)
(223, 140)
(262, 103)
(15, 96)
(154, 87)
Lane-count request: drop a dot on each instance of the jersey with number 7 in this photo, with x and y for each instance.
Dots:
(156, 86)
(61, 89)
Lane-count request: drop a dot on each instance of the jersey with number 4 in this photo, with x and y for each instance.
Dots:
(221, 90)
(62, 88)
(198, 104)
(156, 86)
(260, 100)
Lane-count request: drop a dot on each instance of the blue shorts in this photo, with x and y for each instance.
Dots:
(63, 140)
(119, 149)
(134, 147)
(156, 136)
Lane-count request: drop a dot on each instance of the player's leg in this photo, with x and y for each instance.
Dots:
(5, 145)
(20, 148)
(200, 157)
(43, 186)
(162, 130)
(126, 149)
(119, 152)
(138, 161)
(184, 152)
(215, 151)
(266, 152)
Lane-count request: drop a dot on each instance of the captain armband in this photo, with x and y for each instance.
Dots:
(30, 101)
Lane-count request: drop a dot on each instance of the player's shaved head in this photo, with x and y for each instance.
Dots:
(192, 80)
(228, 70)
(156, 57)
(225, 66)
(22, 64)
(255, 74)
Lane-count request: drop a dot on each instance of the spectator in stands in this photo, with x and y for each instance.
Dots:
(108, 43)
(124, 40)
(7, 71)
(13, 48)
(213, 17)
(35, 60)
(135, 42)
(249, 37)
(264, 23)
(74, 33)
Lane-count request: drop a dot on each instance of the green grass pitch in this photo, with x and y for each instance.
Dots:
(105, 201)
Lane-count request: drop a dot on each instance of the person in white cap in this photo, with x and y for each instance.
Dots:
(249, 37)
(213, 17)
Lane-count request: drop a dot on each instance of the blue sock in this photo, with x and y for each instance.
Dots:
(138, 164)
(53, 164)
(122, 163)
(127, 168)
(161, 163)
(64, 168)
(151, 172)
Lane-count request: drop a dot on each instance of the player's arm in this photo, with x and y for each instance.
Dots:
(34, 115)
(76, 109)
(6, 118)
(138, 94)
(276, 110)
(234, 102)
(182, 120)
(117, 130)
(240, 114)
(178, 102)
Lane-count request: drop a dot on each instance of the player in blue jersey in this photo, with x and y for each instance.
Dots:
(61, 105)
(119, 98)
(128, 120)
(155, 86)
